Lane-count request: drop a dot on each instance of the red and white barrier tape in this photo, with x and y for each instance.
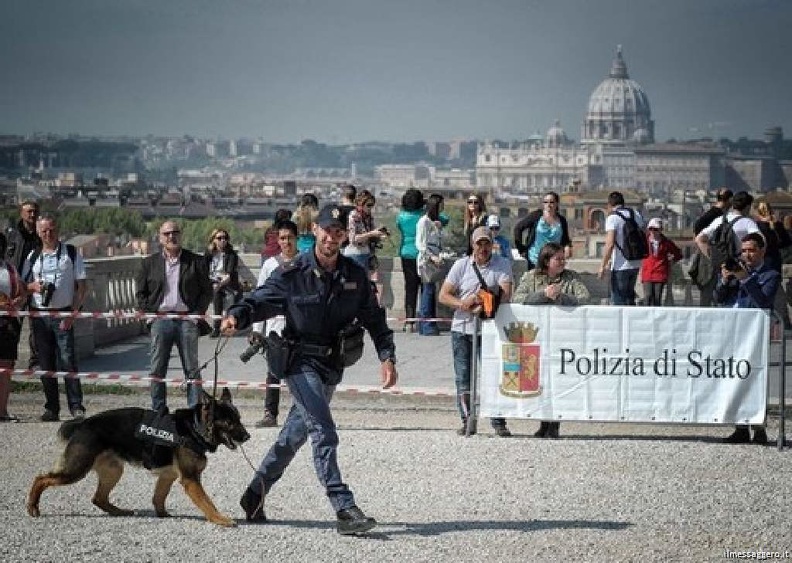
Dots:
(118, 314)
(174, 382)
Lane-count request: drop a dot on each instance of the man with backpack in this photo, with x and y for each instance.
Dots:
(55, 279)
(701, 271)
(625, 248)
(721, 238)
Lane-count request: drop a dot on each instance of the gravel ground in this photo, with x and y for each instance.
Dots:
(601, 493)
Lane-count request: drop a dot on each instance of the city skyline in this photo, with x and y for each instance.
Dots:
(351, 71)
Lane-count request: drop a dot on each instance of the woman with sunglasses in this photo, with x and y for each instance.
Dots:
(363, 237)
(656, 268)
(222, 262)
(475, 216)
(543, 225)
(550, 283)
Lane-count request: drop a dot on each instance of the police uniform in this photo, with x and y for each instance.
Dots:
(317, 305)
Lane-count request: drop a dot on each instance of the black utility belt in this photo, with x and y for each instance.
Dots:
(316, 350)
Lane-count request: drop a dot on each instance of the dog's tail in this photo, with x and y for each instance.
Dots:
(69, 427)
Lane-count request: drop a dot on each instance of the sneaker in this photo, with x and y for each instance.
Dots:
(215, 334)
(9, 418)
(352, 521)
(760, 436)
(78, 412)
(502, 432)
(739, 436)
(268, 421)
(49, 416)
(253, 505)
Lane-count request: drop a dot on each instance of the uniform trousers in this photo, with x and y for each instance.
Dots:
(309, 416)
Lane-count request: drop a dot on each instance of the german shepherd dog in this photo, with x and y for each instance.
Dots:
(105, 441)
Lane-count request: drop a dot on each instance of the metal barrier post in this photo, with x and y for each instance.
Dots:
(472, 420)
(782, 390)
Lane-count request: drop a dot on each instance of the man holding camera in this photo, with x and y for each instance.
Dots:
(747, 282)
(55, 278)
(320, 294)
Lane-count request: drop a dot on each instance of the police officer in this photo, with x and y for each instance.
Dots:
(320, 293)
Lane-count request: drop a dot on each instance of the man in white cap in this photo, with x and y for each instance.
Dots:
(460, 291)
(500, 244)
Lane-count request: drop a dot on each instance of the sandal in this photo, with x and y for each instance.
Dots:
(9, 418)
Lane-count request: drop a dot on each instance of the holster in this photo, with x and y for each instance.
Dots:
(281, 354)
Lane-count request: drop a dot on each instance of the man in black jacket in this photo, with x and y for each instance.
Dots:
(173, 280)
(22, 240)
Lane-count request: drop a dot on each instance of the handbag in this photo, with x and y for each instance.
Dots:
(433, 272)
(490, 301)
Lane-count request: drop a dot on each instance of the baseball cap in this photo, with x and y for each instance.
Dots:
(479, 234)
(330, 216)
(493, 221)
(655, 223)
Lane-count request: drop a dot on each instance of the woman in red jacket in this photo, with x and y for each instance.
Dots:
(656, 268)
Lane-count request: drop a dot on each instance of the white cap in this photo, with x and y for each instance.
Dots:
(493, 221)
(655, 223)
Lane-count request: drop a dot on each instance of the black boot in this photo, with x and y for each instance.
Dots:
(353, 521)
(553, 430)
(542, 432)
(253, 505)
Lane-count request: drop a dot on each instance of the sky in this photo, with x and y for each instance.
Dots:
(346, 71)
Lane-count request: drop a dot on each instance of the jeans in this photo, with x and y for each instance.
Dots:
(218, 301)
(428, 310)
(462, 349)
(622, 286)
(56, 353)
(412, 281)
(309, 416)
(164, 334)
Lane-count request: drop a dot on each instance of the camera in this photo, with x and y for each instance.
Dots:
(47, 289)
(384, 231)
(733, 264)
(257, 345)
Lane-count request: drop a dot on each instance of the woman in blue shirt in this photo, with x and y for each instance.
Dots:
(412, 206)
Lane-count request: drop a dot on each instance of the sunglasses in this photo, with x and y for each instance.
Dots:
(221, 238)
(549, 201)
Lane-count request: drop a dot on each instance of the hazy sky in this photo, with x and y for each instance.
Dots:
(341, 71)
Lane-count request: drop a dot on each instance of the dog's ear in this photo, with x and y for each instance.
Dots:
(225, 396)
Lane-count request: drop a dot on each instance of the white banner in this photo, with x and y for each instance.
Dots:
(631, 364)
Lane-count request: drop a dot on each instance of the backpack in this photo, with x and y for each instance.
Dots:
(723, 242)
(635, 247)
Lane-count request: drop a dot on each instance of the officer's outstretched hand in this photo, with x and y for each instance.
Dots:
(388, 374)
(228, 325)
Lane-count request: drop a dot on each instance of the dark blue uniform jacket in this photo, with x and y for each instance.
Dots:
(318, 304)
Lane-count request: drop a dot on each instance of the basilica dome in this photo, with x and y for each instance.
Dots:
(618, 108)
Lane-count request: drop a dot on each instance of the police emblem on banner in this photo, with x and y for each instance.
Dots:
(520, 370)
